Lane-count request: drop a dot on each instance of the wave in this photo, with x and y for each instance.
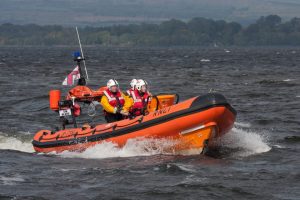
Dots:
(11, 180)
(13, 143)
(244, 143)
(242, 124)
(205, 60)
(133, 147)
(292, 139)
(278, 83)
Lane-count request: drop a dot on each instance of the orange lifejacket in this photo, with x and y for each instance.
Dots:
(139, 102)
(115, 100)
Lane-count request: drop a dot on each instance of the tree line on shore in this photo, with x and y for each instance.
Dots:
(267, 30)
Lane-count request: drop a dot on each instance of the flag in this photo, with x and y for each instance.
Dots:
(72, 77)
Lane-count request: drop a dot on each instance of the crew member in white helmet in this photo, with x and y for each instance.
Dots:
(114, 103)
(132, 86)
(141, 97)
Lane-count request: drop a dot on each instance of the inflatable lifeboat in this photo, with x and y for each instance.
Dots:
(191, 125)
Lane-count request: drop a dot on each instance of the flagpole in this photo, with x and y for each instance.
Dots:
(87, 76)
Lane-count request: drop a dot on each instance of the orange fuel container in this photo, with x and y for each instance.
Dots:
(161, 101)
(166, 100)
(54, 98)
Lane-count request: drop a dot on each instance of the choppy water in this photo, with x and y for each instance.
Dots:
(258, 159)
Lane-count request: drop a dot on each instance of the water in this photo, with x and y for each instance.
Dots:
(258, 159)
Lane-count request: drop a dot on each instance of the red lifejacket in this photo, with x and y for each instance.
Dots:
(129, 91)
(139, 102)
(115, 100)
(76, 110)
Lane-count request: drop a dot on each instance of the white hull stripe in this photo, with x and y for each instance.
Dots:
(192, 129)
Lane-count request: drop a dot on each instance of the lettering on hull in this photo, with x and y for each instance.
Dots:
(161, 112)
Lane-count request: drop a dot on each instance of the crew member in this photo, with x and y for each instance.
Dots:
(141, 97)
(114, 103)
(132, 86)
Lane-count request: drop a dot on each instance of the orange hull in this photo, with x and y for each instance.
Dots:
(191, 125)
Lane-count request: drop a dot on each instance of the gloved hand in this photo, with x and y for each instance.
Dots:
(146, 112)
(125, 113)
(118, 109)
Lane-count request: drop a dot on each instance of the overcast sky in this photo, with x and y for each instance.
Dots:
(107, 12)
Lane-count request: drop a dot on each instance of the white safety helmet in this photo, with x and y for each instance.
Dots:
(133, 83)
(141, 83)
(112, 82)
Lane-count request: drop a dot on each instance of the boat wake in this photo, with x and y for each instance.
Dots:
(239, 142)
(13, 143)
(133, 147)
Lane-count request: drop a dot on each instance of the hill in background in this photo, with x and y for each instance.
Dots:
(269, 30)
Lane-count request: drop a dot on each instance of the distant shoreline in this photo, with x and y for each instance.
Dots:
(155, 47)
(198, 32)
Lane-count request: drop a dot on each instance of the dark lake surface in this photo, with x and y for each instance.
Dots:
(258, 159)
